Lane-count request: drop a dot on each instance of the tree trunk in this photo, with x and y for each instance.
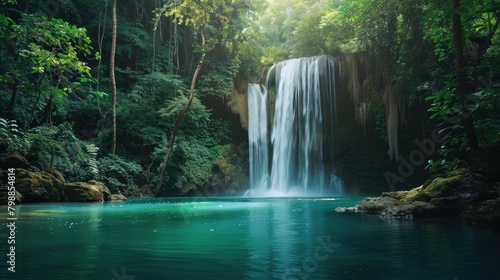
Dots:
(112, 78)
(13, 100)
(178, 122)
(465, 115)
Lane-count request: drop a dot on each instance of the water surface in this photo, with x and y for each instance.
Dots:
(241, 238)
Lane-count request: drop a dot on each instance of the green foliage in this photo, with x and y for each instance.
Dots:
(119, 173)
(43, 62)
(45, 74)
(280, 34)
(196, 150)
(14, 136)
(338, 33)
(196, 117)
(487, 115)
(437, 23)
(131, 36)
(444, 102)
(53, 46)
(218, 77)
(191, 161)
(441, 166)
(307, 36)
(56, 147)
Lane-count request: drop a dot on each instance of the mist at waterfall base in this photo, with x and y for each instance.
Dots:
(291, 135)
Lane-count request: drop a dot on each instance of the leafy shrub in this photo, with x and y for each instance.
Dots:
(118, 173)
(191, 161)
(56, 147)
(13, 136)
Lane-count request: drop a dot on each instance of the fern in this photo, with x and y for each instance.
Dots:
(14, 136)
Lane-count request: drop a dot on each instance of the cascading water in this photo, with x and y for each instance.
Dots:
(301, 131)
(257, 138)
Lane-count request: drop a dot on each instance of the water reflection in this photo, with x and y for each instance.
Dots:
(287, 240)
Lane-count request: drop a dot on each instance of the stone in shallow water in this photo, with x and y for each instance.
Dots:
(346, 210)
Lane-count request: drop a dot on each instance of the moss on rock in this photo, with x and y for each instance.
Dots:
(415, 194)
(117, 197)
(38, 186)
(103, 188)
(460, 192)
(376, 204)
(90, 191)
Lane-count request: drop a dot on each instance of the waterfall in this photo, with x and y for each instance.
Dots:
(257, 137)
(300, 151)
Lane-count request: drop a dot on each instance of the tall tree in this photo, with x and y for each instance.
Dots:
(461, 82)
(112, 77)
(198, 15)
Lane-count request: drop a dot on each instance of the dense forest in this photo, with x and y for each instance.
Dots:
(150, 96)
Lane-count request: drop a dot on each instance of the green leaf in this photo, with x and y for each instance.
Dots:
(434, 115)
(448, 96)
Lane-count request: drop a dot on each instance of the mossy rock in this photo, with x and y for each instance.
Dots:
(399, 195)
(103, 188)
(91, 191)
(415, 194)
(58, 176)
(440, 186)
(462, 183)
(38, 186)
(376, 204)
(118, 197)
